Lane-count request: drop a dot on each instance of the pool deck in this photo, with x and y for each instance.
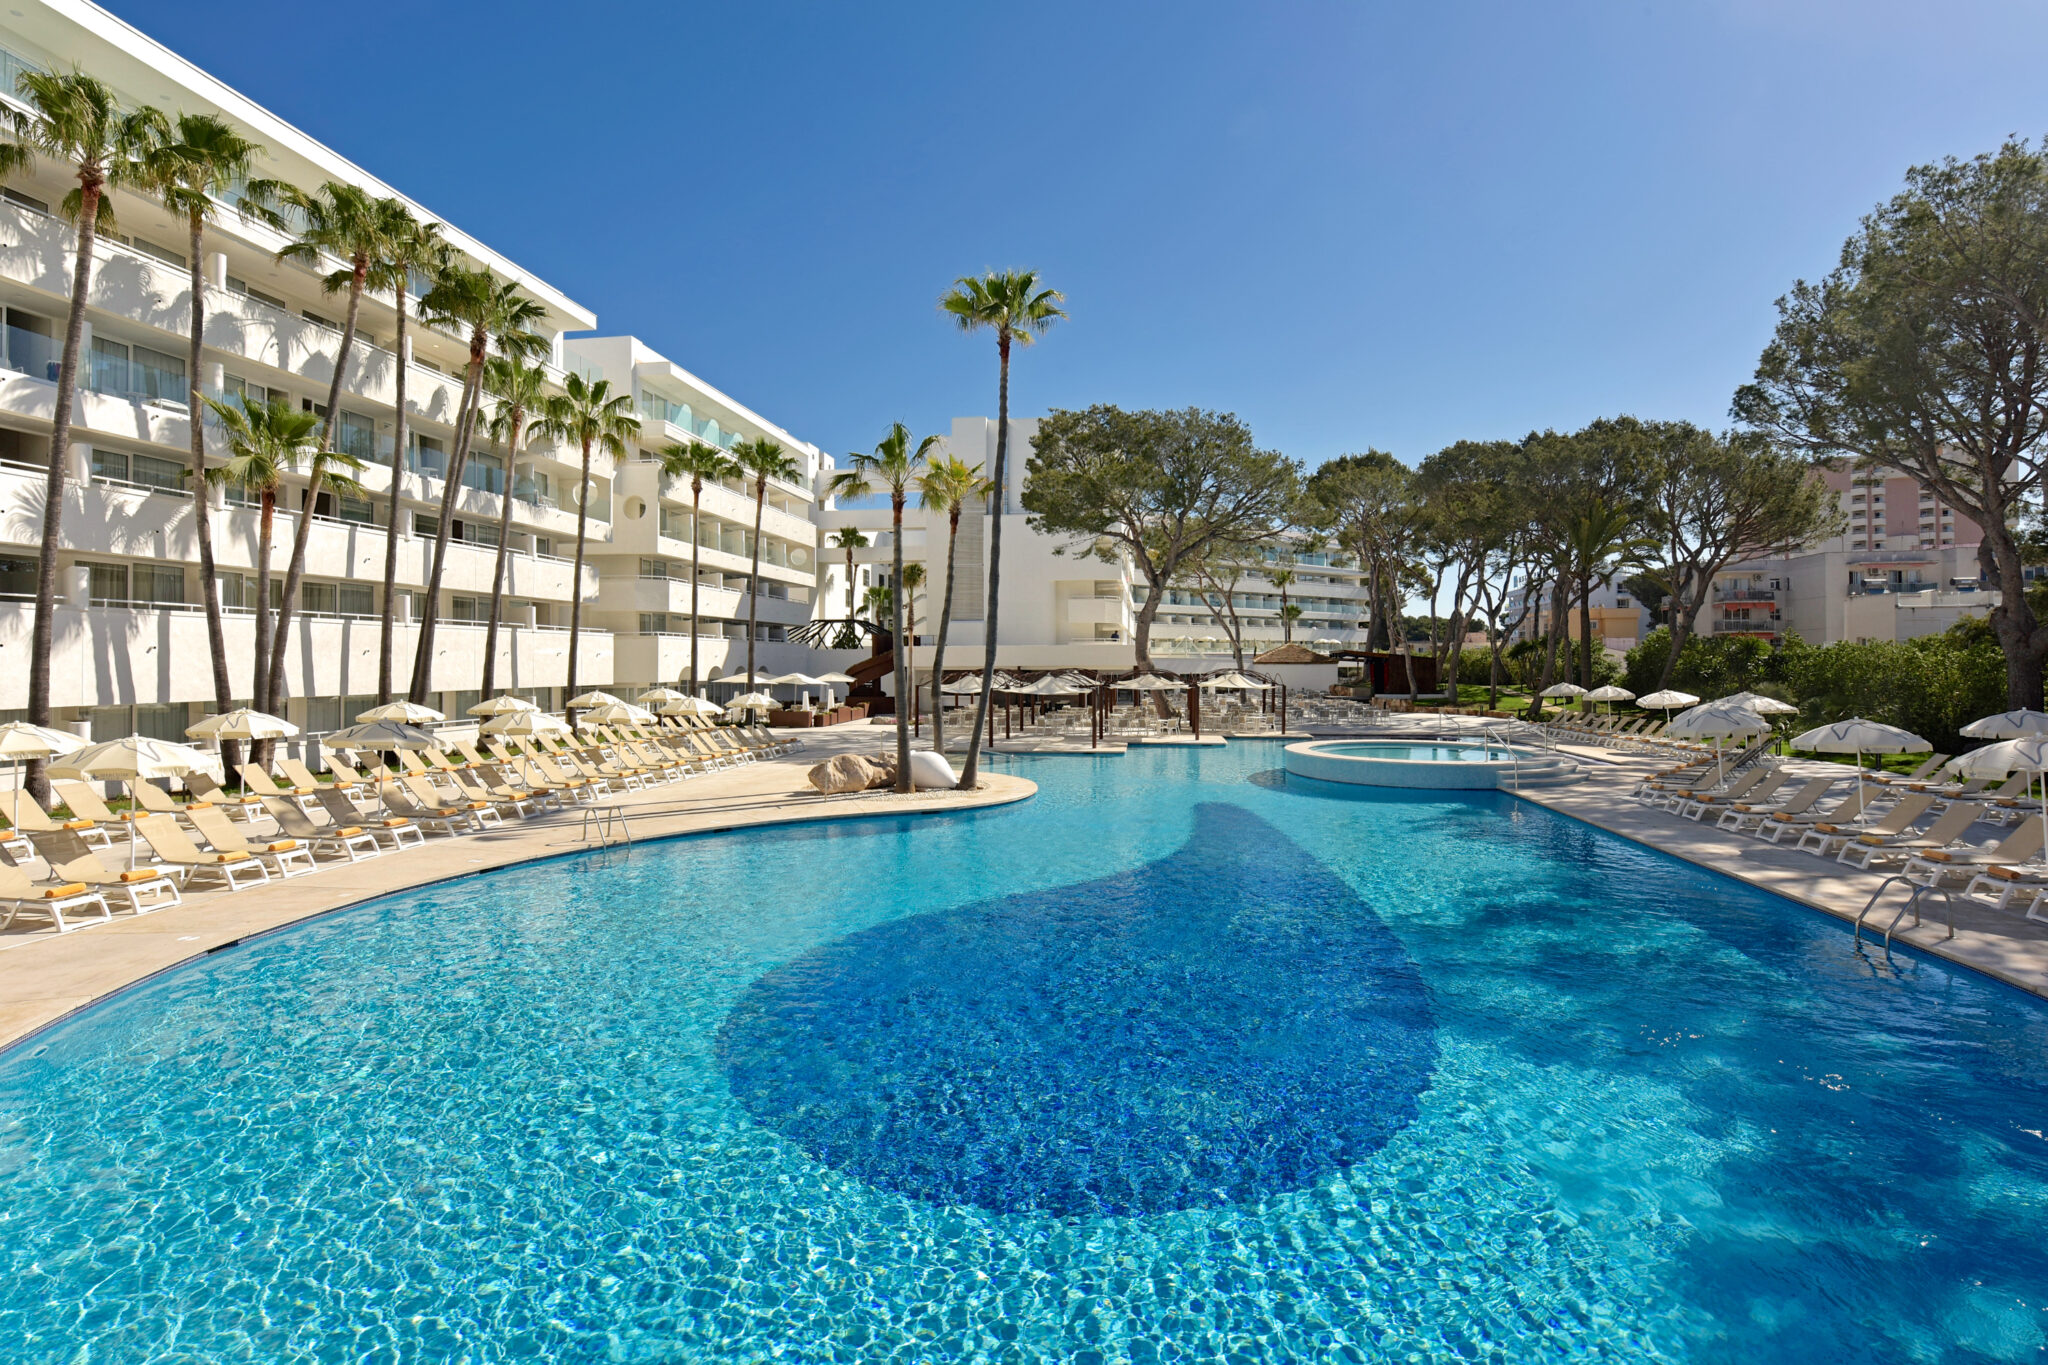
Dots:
(2000, 943)
(45, 976)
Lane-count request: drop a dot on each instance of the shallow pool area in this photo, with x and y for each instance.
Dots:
(1187, 1058)
(1414, 753)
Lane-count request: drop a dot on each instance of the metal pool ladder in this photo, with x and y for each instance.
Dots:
(1514, 759)
(1920, 889)
(605, 822)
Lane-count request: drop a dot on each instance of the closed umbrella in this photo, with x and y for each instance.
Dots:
(1859, 737)
(20, 741)
(504, 704)
(404, 712)
(378, 735)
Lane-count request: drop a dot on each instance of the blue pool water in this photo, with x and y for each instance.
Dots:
(1181, 1060)
(1415, 753)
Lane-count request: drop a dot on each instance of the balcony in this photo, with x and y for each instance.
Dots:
(1745, 594)
(1736, 625)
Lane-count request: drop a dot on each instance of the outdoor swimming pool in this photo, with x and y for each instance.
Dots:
(1415, 753)
(1181, 1060)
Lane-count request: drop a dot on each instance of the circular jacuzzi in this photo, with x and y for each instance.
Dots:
(1442, 764)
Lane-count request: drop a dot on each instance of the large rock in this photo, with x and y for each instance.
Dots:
(846, 773)
(884, 770)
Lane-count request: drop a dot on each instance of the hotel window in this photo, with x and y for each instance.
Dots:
(136, 371)
(653, 623)
(354, 599)
(163, 722)
(26, 201)
(146, 470)
(241, 286)
(151, 583)
(429, 457)
(17, 578)
(356, 435)
(317, 599)
(31, 345)
(468, 609)
(484, 473)
(654, 568)
(107, 582)
(425, 526)
(162, 253)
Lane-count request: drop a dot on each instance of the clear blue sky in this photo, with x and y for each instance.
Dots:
(1353, 224)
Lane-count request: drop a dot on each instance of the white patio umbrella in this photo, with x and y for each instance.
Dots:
(969, 686)
(1046, 687)
(404, 712)
(1610, 693)
(378, 735)
(242, 723)
(134, 758)
(1764, 706)
(2020, 724)
(1718, 721)
(751, 701)
(1152, 682)
(1563, 690)
(1668, 701)
(504, 704)
(1859, 737)
(690, 706)
(524, 724)
(589, 700)
(618, 713)
(658, 696)
(21, 741)
(835, 678)
(2028, 754)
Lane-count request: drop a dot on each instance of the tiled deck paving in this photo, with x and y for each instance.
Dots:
(45, 976)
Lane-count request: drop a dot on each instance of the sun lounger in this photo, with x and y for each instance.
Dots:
(1828, 839)
(1744, 816)
(1845, 812)
(190, 864)
(1919, 774)
(343, 812)
(204, 788)
(1874, 850)
(352, 842)
(85, 803)
(439, 818)
(2006, 888)
(146, 889)
(2020, 846)
(259, 782)
(1757, 794)
(55, 901)
(520, 800)
(34, 818)
(422, 794)
(152, 799)
(1734, 788)
(283, 857)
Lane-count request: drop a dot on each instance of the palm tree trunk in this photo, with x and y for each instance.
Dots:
(1286, 623)
(202, 510)
(576, 581)
(970, 771)
(465, 417)
(498, 569)
(754, 578)
(296, 570)
(899, 653)
(266, 519)
(696, 569)
(939, 650)
(1681, 630)
(43, 637)
(386, 645)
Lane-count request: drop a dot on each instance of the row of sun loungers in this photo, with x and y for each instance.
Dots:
(210, 842)
(1911, 825)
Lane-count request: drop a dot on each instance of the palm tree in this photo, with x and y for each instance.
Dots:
(892, 466)
(75, 119)
(700, 460)
(913, 579)
(1283, 579)
(947, 482)
(1010, 302)
(1598, 540)
(849, 539)
(763, 460)
(411, 248)
(521, 391)
(265, 442)
(346, 223)
(592, 417)
(191, 168)
(492, 312)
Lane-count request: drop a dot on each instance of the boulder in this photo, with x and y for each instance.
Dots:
(884, 770)
(931, 772)
(846, 773)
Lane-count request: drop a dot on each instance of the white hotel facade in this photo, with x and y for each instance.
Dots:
(131, 651)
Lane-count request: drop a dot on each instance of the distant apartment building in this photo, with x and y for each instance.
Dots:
(1619, 619)
(1906, 565)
